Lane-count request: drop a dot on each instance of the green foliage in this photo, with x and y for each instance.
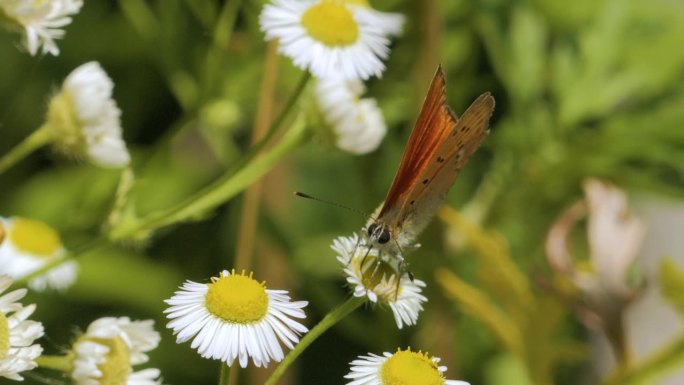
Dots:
(588, 89)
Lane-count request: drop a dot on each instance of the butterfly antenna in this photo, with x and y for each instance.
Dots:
(307, 196)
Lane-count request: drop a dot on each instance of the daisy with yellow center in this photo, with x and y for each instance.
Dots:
(40, 22)
(405, 367)
(17, 333)
(377, 280)
(331, 37)
(109, 349)
(235, 316)
(27, 246)
(358, 124)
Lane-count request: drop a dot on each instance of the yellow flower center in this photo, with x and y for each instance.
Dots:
(372, 277)
(331, 23)
(410, 368)
(363, 3)
(4, 337)
(2, 232)
(34, 237)
(237, 298)
(117, 365)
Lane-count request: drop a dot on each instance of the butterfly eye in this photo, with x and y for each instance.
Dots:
(371, 228)
(384, 237)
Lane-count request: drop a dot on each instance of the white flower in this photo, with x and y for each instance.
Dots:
(377, 280)
(86, 120)
(28, 245)
(358, 123)
(331, 38)
(614, 237)
(40, 21)
(235, 316)
(17, 333)
(402, 367)
(110, 347)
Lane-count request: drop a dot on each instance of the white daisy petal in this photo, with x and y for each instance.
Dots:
(28, 246)
(225, 325)
(373, 369)
(117, 340)
(19, 335)
(95, 132)
(331, 38)
(41, 21)
(405, 299)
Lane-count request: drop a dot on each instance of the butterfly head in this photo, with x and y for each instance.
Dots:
(379, 233)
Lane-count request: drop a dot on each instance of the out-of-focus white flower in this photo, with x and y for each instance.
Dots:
(85, 120)
(27, 246)
(614, 237)
(358, 124)
(110, 347)
(40, 22)
(377, 280)
(17, 333)
(235, 316)
(402, 367)
(331, 38)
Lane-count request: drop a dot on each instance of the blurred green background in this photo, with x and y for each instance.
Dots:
(584, 88)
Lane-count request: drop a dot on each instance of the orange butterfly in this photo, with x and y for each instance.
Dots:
(439, 147)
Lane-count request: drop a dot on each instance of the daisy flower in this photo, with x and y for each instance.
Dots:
(27, 246)
(235, 316)
(40, 22)
(85, 120)
(17, 333)
(402, 367)
(358, 124)
(331, 37)
(110, 347)
(376, 279)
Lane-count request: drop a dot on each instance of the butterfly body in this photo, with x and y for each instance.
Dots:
(439, 147)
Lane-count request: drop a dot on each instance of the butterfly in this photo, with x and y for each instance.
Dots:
(439, 147)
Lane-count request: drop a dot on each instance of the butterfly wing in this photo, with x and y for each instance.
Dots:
(445, 164)
(435, 122)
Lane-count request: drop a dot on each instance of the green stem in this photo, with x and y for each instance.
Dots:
(223, 31)
(37, 139)
(233, 182)
(668, 358)
(60, 363)
(224, 378)
(326, 323)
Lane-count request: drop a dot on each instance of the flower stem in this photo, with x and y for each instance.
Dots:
(37, 139)
(326, 323)
(225, 376)
(60, 363)
(252, 196)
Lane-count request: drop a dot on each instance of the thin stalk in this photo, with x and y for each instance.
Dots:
(37, 139)
(224, 377)
(326, 323)
(63, 364)
(250, 204)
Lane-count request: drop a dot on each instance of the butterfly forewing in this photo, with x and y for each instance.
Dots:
(439, 147)
(446, 163)
(429, 132)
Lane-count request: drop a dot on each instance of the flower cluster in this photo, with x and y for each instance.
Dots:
(341, 42)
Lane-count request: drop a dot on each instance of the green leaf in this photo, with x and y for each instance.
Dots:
(672, 283)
